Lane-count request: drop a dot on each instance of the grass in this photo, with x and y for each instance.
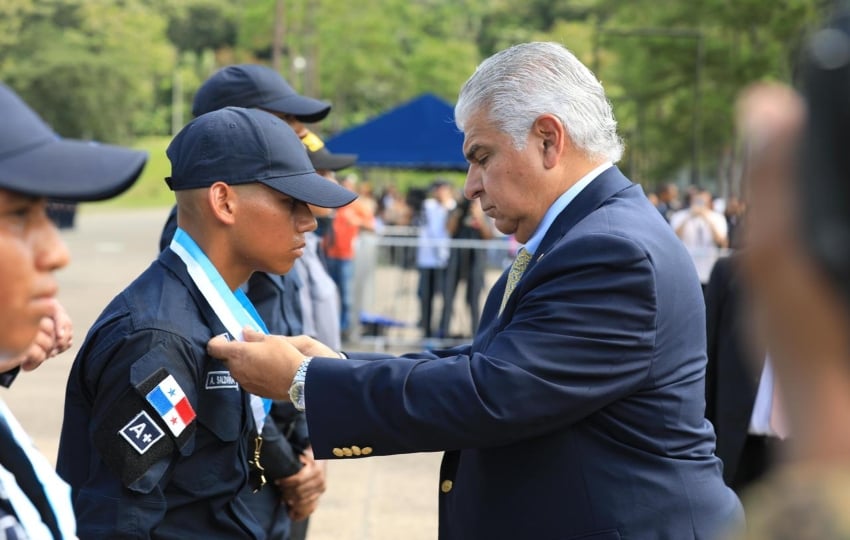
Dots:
(150, 190)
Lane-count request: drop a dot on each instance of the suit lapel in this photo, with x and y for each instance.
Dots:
(602, 188)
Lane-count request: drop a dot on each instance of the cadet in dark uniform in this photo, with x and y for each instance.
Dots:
(154, 440)
(35, 164)
(277, 298)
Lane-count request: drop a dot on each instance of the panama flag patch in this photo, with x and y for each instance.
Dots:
(168, 399)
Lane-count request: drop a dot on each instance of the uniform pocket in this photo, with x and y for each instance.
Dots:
(220, 406)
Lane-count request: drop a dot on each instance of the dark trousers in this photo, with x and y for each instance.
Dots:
(464, 265)
(430, 284)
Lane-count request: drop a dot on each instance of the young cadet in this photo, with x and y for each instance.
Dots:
(154, 440)
(304, 301)
(36, 164)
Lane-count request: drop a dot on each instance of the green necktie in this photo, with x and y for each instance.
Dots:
(517, 268)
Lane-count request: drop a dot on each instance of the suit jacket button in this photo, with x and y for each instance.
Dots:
(337, 452)
(366, 450)
(356, 450)
(446, 486)
(346, 451)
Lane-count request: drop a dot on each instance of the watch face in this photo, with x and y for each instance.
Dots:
(296, 395)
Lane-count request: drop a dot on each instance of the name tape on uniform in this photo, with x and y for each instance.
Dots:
(217, 380)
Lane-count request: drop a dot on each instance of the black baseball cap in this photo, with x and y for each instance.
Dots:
(241, 146)
(35, 161)
(322, 158)
(256, 86)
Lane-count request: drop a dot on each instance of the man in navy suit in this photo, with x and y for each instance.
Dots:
(577, 410)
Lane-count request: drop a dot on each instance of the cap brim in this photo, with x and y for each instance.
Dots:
(312, 189)
(72, 170)
(304, 108)
(325, 160)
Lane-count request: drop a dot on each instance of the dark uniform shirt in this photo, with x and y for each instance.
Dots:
(131, 475)
(285, 430)
(276, 299)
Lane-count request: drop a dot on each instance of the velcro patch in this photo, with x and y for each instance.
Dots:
(141, 432)
(125, 449)
(217, 380)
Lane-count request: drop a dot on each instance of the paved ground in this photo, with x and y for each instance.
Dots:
(371, 499)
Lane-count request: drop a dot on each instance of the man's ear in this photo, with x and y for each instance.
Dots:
(552, 138)
(222, 200)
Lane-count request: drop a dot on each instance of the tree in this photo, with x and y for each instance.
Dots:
(679, 66)
(78, 64)
(203, 24)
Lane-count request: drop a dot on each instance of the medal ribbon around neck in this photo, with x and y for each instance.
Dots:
(233, 309)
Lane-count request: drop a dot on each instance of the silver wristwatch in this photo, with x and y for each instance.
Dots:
(296, 389)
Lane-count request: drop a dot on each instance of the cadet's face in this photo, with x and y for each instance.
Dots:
(30, 250)
(505, 179)
(272, 236)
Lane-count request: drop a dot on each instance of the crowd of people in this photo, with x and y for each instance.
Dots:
(608, 390)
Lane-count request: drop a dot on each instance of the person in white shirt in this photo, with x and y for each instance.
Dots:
(703, 231)
(432, 251)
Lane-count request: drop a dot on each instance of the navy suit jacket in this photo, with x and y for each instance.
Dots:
(578, 412)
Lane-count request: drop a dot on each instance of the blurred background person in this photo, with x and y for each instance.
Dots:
(432, 250)
(340, 243)
(735, 212)
(703, 231)
(365, 258)
(739, 382)
(668, 200)
(466, 263)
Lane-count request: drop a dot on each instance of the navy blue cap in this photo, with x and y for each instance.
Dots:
(35, 161)
(255, 86)
(241, 146)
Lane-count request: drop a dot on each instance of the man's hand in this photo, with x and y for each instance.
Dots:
(263, 365)
(302, 490)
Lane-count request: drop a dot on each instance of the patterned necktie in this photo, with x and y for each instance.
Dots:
(523, 257)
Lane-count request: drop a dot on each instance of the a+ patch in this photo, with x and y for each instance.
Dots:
(141, 432)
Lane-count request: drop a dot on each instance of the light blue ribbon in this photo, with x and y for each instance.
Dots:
(237, 303)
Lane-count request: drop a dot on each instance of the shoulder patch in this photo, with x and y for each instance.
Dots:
(220, 379)
(141, 432)
(171, 403)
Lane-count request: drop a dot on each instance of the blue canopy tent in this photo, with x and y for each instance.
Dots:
(420, 134)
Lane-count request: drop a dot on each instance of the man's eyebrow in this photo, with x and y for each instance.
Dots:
(470, 154)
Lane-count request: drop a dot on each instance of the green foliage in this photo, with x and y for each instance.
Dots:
(119, 69)
(78, 64)
(678, 67)
(203, 25)
(150, 190)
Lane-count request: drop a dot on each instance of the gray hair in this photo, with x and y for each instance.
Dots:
(517, 85)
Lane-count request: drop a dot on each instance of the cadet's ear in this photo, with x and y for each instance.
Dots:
(552, 138)
(222, 201)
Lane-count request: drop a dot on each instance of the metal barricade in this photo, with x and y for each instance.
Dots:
(387, 297)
